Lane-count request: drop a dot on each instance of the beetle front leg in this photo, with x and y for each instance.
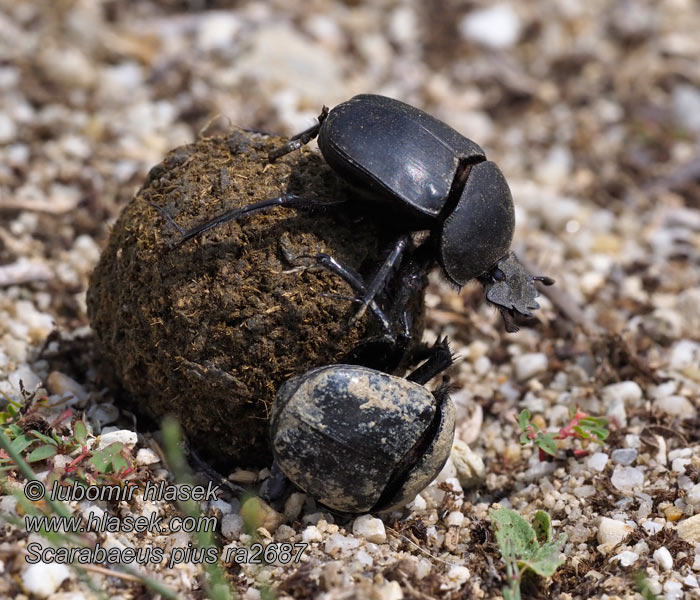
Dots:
(299, 140)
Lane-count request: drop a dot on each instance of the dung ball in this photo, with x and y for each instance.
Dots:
(207, 330)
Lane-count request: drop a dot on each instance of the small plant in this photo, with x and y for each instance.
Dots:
(36, 439)
(525, 547)
(581, 426)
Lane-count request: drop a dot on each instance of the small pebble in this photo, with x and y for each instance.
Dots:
(391, 590)
(146, 456)
(626, 558)
(454, 519)
(458, 574)
(496, 27)
(43, 579)
(624, 456)
(124, 436)
(232, 526)
(673, 513)
(611, 531)
(677, 406)
(468, 464)
(337, 543)
(689, 529)
(627, 391)
(627, 478)
(663, 558)
(673, 590)
(529, 365)
(370, 528)
(311, 534)
(597, 461)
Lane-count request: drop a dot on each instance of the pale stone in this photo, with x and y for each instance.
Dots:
(663, 558)
(529, 365)
(43, 579)
(689, 529)
(124, 436)
(370, 528)
(337, 543)
(611, 532)
(468, 465)
(311, 534)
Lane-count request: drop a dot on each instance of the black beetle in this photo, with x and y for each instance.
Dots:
(360, 440)
(423, 175)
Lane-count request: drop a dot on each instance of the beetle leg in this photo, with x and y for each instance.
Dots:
(440, 358)
(300, 139)
(275, 486)
(380, 280)
(353, 279)
(284, 201)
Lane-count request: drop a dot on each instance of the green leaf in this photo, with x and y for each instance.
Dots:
(44, 438)
(517, 539)
(102, 459)
(80, 432)
(514, 535)
(41, 453)
(547, 558)
(547, 444)
(22, 442)
(524, 419)
(542, 524)
(524, 439)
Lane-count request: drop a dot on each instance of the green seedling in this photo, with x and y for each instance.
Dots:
(525, 547)
(581, 426)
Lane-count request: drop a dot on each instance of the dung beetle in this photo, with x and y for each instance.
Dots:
(417, 174)
(360, 440)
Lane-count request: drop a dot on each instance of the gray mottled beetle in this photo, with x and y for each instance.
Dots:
(360, 440)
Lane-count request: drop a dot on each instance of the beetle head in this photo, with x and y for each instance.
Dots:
(510, 287)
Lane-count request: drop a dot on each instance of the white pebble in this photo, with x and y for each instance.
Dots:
(663, 558)
(468, 464)
(693, 496)
(677, 406)
(284, 533)
(611, 532)
(597, 461)
(458, 574)
(419, 504)
(337, 543)
(627, 478)
(685, 353)
(529, 365)
(652, 527)
(679, 464)
(58, 383)
(221, 505)
(29, 379)
(391, 590)
(624, 456)
(628, 391)
(454, 519)
(691, 581)
(370, 528)
(311, 534)
(496, 27)
(673, 590)
(626, 558)
(146, 456)
(8, 129)
(232, 526)
(126, 437)
(364, 558)
(43, 579)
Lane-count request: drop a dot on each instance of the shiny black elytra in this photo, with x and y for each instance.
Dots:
(405, 163)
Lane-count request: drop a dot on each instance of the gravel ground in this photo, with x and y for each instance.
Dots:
(592, 111)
